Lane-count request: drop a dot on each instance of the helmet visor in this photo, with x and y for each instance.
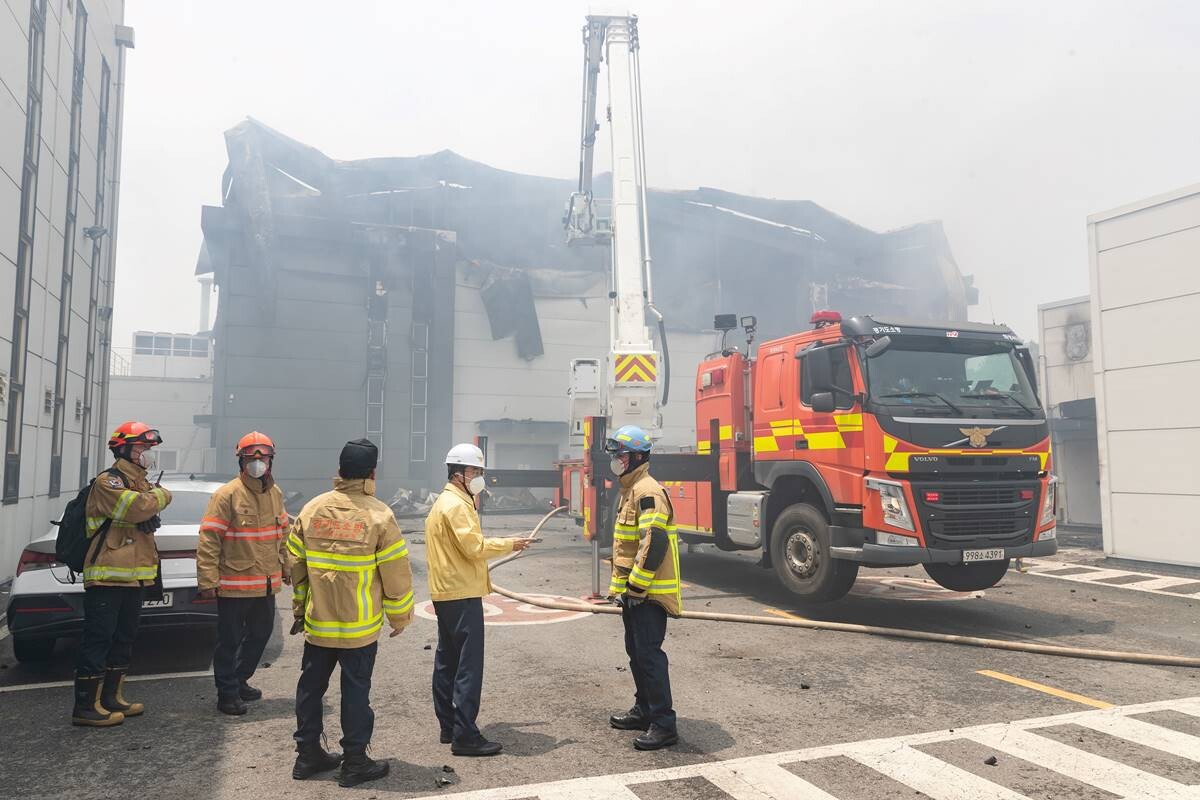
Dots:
(257, 451)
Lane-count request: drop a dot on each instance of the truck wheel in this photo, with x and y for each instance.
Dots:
(800, 553)
(968, 577)
(31, 650)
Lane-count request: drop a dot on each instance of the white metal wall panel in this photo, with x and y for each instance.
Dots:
(1172, 452)
(1146, 223)
(1154, 269)
(1151, 333)
(1151, 397)
(1153, 527)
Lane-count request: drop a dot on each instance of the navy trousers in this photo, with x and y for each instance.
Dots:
(358, 720)
(244, 626)
(645, 630)
(110, 624)
(458, 666)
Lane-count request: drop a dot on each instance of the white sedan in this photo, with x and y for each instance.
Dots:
(45, 604)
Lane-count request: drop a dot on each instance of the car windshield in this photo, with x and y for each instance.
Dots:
(186, 508)
(951, 377)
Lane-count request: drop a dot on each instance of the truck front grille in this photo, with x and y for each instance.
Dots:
(976, 515)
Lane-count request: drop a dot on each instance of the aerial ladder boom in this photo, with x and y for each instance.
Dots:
(632, 368)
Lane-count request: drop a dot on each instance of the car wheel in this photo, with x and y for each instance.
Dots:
(800, 554)
(32, 650)
(968, 577)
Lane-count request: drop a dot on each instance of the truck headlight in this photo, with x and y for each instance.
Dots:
(895, 507)
(1048, 502)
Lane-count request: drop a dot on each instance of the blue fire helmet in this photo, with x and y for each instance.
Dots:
(628, 439)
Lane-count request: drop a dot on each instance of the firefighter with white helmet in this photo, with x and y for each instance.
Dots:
(645, 584)
(458, 581)
(240, 564)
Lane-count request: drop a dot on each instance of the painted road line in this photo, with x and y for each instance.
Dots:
(763, 777)
(929, 775)
(763, 781)
(1041, 687)
(1146, 734)
(786, 614)
(1103, 773)
(166, 676)
(3, 632)
(1148, 582)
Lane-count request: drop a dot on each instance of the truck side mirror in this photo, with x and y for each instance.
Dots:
(822, 402)
(819, 364)
(877, 347)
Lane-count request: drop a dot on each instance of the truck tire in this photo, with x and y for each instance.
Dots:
(967, 577)
(800, 553)
(32, 650)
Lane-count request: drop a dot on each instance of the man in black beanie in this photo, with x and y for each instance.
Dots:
(345, 552)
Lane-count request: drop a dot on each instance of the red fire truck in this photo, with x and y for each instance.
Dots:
(859, 443)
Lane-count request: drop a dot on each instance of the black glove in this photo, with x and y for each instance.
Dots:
(297, 626)
(617, 600)
(150, 525)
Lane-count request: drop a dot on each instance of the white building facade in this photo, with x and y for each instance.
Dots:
(61, 79)
(1145, 281)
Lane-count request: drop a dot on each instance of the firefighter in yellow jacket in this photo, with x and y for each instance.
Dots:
(645, 583)
(350, 573)
(239, 562)
(122, 561)
(458, 581)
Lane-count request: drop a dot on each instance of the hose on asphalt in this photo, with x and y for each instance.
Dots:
(847, 627)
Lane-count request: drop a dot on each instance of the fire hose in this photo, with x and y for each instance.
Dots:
(846, 627)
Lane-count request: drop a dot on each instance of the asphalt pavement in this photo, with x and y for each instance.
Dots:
(746, 696)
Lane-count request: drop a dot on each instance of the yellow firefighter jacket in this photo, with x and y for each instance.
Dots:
(645, 544)
(126, 557)
(457, 551)
(242, 551)
(349, 567)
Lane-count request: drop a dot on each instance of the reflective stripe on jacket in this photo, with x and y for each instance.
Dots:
(645, 544)
(126, 557)
(241, 551)
(349, 567)
(456, 548)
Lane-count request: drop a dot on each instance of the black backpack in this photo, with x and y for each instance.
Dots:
(71, 546)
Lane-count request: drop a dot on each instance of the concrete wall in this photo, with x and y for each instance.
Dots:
(27, 514)
(491, 382)
(170, 405)
(1065, 333)
(1145, 300)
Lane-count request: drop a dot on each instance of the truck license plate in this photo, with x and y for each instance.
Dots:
(991, 554)
(166, 602)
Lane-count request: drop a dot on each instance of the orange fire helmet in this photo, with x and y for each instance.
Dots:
(255, 444)
(134, 433)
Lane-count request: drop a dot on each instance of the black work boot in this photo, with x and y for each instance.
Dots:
(656, 738)
(112, 696)
(447, 736)
(248, 692)
(312, 759)
(631, 720)
(359, 768)
(233, 705)
(88, 711)
(478, 746)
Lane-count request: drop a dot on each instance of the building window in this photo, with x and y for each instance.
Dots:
(25, 233)
(168, 460)
(143, 345)
(89, 369)
(68, 257)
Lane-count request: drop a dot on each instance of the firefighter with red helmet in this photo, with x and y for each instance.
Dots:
(121, 562)
(240, 563)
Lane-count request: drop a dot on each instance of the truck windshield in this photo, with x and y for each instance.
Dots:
(946, 377)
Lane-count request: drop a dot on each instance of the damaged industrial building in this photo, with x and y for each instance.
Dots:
(425, 300)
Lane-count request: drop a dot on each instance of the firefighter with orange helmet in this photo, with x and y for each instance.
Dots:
(121, 562)
(240, 563)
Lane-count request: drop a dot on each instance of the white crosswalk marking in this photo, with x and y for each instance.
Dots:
(930, 775)
(763, 777)
(1104, 773)
(1091, 576)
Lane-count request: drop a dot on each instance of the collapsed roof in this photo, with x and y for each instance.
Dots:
(713, 251)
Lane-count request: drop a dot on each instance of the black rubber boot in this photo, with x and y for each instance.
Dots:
(631, 720)
(233, 706)
(478, 746)
(313, 759)
(88, 711)
(359, 768)
(656, 738)
(112, 696)
(249, 693)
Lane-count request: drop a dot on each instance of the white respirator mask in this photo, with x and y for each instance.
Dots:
(256, 469)
(147, 459)
(617, 466)
(476, 485)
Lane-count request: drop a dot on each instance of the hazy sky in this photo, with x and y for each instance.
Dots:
(1010, 121)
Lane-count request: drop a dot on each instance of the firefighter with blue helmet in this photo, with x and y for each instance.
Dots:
(645, 584)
